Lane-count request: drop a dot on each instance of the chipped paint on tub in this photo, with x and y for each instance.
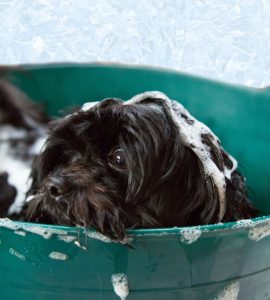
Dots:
(259, 232)
(120, 285)
(230, 292)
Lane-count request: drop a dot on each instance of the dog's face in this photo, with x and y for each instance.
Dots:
(118, 166)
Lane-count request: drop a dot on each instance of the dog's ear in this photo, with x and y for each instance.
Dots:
(184, 196)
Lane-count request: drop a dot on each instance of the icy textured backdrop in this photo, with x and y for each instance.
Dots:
(227, 40)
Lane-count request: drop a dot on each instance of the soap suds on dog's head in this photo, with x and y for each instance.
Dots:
(191, 132)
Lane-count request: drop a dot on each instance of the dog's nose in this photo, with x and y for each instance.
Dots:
(57, 186)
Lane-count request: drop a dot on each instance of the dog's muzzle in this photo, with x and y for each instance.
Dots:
(57, 186)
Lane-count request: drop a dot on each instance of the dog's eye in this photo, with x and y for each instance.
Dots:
(117, 158)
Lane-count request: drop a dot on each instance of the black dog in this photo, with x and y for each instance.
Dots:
(137, 164)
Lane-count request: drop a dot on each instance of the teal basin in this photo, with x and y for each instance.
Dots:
(204, 262)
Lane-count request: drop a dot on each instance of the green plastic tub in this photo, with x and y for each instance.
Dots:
(222, 261)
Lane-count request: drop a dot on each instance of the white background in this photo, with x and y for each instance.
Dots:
(220, 39)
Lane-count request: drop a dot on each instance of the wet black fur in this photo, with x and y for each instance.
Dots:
(163, 184)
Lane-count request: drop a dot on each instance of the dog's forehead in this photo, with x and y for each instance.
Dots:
(147, 98)
(105, 103)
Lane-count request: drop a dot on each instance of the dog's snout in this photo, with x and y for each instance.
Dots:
(57, 186)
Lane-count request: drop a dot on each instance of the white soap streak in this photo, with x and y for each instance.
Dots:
(14, 252)
(38, 145)
(88, 105)
(20, 232)
(191, 135)
(189, 236)
(7, 223)
(78, 244)
(98, 236)
(230, 292)
(120, 285)
(66, 238)
(260, 232)
(46, 233)
(244, 223)
(58, 255)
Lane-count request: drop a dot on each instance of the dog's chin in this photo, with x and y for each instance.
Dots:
(43, 209)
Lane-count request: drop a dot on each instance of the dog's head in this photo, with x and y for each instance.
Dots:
(120, 165)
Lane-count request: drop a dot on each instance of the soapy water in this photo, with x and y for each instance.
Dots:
(259, 232)
(190, 235)
(230, 292)
(58, 255)
(17, 254)
(120, 285)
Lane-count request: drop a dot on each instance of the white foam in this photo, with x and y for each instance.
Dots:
(66, 238)
(58, 255)
(230, 292)
(20, 232)
(38, 145)
(120, 285)
(46, 233)
(259, 232)
(78, 244)
(191, 134)
(7, 223)
(98, 236)
(190, 235)
(244, 223)
(88, 105)
(14, 252)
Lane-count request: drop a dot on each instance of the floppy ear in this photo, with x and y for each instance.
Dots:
(184, 197)
(177, 192)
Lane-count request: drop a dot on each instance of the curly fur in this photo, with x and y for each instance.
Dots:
(162, 183)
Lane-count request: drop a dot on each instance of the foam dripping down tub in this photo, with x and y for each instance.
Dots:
(222, 261)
